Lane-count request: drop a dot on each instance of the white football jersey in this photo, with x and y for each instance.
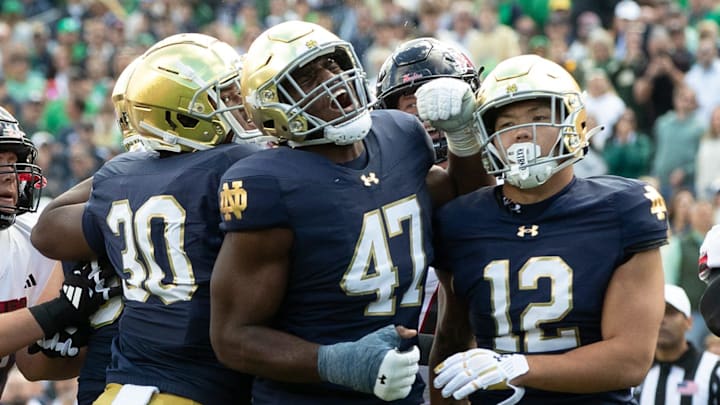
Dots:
(24, 272)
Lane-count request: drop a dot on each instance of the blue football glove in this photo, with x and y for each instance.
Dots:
(371, 364)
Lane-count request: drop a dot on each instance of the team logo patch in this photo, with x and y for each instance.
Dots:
(370, 179)
(657, 206)
(233, 200)
(532, 230)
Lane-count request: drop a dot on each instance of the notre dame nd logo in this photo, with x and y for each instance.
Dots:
(233, 201)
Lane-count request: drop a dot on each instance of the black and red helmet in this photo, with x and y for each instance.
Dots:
(29, 176)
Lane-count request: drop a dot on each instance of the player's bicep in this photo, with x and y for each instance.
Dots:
(453, 323)
(440, 186)
(634, 306)
(250, 275)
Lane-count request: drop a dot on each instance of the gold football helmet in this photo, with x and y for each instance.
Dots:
(118, 100)
(276, 101)
(176, 97)
(529, 77)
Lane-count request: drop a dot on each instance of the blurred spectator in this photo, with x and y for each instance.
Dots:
(492, 42)
(51, 160)
(463, 30)
(679, 205)
(383, 45)
(675, 166)
(279, 12)
(82, 162)
(627, 69)
(40, 57)
(603, 103)
(626, 13)
(656, 81)
(96, 44)
(525, 28)
(587, 22)
(430, 13)
(30, 116)
(69, 37)
(363, 34)
(21, 80)
(708, 29)
(704, 78)
(600, 46)
(627, 152)
(708, 164)
(58, 83)
(684, 265)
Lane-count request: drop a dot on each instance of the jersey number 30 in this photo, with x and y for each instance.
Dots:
(146, 277)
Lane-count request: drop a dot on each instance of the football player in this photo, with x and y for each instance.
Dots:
(25, 273)
(709, 270)
(84, 352)
(319, 282)
(414, 63)
(154, 212)
(553, 284)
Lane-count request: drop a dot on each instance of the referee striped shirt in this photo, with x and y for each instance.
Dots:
(693, 379)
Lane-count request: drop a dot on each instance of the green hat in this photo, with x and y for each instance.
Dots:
(68, 24)
(12, 7)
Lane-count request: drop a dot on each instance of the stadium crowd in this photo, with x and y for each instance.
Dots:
(650, 69)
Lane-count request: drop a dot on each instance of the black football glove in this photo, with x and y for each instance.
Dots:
(66, 343)
(85, 289)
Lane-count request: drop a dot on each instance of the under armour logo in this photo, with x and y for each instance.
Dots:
(370, 179)
(532, 231)
(382, 379)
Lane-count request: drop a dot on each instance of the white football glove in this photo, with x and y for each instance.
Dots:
(449, 105)
(710, 252)
(371, 364)
(477, 369)
(397, 373)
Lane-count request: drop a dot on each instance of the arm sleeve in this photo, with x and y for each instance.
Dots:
(250, 202)
(643, 217)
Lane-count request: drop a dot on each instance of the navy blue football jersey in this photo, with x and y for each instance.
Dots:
(91, 381)
(362, 241)
(535, 279)
(157, 219)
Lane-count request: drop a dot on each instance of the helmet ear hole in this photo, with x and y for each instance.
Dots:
(187, 121)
